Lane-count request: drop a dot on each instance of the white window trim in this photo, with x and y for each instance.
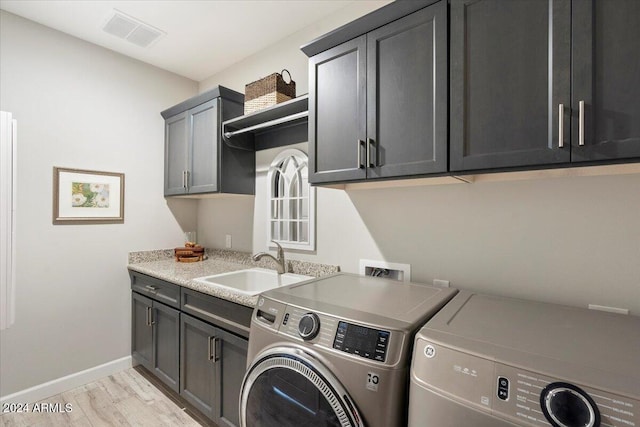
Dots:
(301, 157)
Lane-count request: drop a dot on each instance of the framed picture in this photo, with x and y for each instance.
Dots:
(87, 197)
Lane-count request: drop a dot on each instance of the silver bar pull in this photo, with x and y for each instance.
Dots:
(186, 179)
(210, 348)
(581, 123)
(151, 288)
(151, 321)
(360, 144)
(370, 143)
(148, 320)
(561, 126)
(183, 181)
(216, 356)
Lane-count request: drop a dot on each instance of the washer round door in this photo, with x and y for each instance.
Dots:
(286, 387)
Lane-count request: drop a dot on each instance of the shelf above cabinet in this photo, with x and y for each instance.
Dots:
(282, 124)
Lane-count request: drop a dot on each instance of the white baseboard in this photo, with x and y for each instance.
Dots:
(60, 385)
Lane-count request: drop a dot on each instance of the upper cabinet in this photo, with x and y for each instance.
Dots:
(518, 100)
(606, 80)
(378, 102)
(197, 159)
(510, 71)
(529, 84)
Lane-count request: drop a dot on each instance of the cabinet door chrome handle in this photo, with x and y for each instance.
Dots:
(216, 356)
(371, 143)
(581, 123)
(148, 319)
(561, 126)
(186, 179)
(151, 321)
(360, 144)
(210, 348)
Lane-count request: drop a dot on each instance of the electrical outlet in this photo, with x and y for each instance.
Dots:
(227, 241)
(388, 270)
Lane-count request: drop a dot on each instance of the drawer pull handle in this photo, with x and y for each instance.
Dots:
(213, 349)
(370, 147)
(151, 288)
(561, 126)
(210, 348)
(581, 123)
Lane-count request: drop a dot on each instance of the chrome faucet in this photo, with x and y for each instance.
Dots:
(279, 260)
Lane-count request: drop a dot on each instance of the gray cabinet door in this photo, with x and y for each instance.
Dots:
(337, 113)
(606, 80)
(230, 369)
(407, 95)
(141, 330)
(197, 364)
(176, 149)
(510, 71)
(204, 138)
(166, 344)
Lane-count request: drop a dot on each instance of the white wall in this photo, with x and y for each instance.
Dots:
(287, 53)
(80, 106)
(568, 240)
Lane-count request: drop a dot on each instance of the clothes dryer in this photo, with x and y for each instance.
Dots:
(488, 361)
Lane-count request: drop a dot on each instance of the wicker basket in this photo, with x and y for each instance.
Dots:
(268, 91)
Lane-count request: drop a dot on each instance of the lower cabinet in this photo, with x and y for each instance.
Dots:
(213, 363)
(231, 367)
(185, 346)
(155, 338)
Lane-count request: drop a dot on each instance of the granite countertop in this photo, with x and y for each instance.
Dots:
(162, 265)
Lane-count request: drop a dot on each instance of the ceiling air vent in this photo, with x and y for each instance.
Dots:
(131, 29)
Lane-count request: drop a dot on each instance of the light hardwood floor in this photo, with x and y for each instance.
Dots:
(123, 399)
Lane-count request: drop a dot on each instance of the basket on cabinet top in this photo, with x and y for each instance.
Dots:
(268, 91)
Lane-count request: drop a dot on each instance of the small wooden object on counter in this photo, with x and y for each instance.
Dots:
(189, 253)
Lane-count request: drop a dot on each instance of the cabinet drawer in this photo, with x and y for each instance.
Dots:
(226, 314)
(156, 289)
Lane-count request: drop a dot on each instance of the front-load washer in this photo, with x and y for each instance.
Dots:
(488, 361)
(334, 352)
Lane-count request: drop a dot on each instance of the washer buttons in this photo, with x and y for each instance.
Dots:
(503, 388)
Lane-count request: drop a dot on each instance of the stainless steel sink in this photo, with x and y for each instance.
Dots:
(252, 281)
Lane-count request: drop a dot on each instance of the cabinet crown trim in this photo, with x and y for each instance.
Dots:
(364, 24)
(217, 92)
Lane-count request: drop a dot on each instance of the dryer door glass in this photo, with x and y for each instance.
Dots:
(283, 390)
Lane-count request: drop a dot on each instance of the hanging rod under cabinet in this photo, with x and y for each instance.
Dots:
(267, 124)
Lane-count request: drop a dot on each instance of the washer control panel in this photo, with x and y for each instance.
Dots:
(362, 341)
(330, 332)
(309, 326)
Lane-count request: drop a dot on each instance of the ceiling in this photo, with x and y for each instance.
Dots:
(202, 37)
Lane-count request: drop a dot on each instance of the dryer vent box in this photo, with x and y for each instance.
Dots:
(388, 270)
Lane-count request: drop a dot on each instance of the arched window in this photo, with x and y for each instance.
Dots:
(291, 202)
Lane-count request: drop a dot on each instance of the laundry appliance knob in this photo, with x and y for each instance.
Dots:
(309, 326)
(565, 405)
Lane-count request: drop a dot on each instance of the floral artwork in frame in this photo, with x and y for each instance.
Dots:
(87, 197)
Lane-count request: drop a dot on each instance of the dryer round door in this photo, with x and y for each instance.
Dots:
(287, 387)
